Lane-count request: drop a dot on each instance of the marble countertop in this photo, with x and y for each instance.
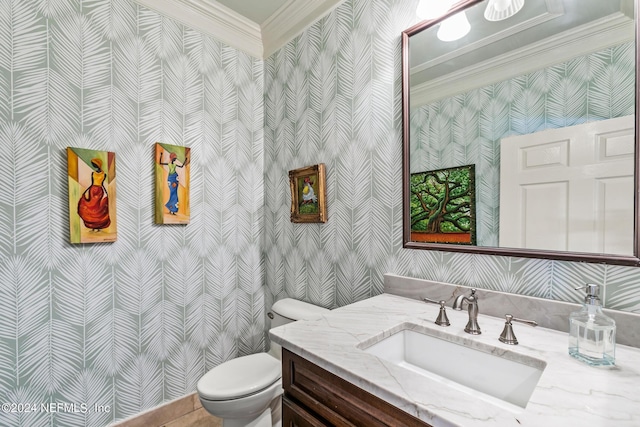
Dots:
(569, 392)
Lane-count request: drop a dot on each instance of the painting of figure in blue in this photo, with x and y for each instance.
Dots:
(172, 184)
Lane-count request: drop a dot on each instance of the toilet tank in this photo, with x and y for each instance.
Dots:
(289, 310)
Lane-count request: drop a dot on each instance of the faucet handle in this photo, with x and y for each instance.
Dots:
(442, 319)
(507, 336)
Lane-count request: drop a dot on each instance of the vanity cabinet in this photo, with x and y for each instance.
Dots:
(314, 397)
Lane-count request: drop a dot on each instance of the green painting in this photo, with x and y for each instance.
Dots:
(443, 206)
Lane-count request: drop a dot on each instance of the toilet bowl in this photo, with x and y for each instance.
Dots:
(241, 390)
(245, 391)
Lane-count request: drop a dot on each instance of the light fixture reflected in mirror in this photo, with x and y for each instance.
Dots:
(497, 10)
(453, 28)
(432, 9)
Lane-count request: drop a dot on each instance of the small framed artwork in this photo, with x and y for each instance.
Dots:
(92, 195)
(308, 193)
(443, 206)
(172, 170)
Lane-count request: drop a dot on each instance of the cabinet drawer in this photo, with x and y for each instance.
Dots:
(335, 400)
(294, 415)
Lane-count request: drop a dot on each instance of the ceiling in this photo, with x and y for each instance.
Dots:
(257, 27)
(256, 10)
(542, 34)
(538, 20)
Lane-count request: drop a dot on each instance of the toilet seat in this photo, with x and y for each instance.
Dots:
(240, 377)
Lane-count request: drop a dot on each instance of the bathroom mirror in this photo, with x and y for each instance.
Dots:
(520, 137)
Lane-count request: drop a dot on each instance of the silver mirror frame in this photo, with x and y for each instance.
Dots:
(514, 252)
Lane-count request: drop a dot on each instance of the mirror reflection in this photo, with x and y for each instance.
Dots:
(529, 105)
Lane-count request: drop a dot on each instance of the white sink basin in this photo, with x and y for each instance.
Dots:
(504, 376)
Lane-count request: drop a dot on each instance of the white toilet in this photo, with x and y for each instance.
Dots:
(245, 392)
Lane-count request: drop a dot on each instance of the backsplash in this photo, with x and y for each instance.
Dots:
(135, 323)
(518, 106)
(547, 313)
(333, 95)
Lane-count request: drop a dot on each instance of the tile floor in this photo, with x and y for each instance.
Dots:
(185, 412)
(197, 418)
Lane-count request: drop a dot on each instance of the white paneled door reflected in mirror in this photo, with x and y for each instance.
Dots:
(540, 101)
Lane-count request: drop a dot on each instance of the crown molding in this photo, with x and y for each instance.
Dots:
(291, 19)
(214, 19)
(593, 37)
(228, 26)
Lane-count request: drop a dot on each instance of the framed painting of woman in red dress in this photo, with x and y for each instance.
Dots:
(92, 195)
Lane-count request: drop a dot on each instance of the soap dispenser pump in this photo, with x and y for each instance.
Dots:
(592, 334)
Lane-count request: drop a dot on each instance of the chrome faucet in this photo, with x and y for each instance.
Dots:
(472, 301)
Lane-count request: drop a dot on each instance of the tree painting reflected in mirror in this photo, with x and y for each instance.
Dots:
(443, 206)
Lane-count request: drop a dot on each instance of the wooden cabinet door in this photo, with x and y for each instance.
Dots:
(335, 401)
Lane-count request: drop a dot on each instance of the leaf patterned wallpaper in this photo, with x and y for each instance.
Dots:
(134, 323)
(467, 128)
(333, 95)
(131, 324)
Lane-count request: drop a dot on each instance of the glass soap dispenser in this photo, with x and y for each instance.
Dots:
(592, 334)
